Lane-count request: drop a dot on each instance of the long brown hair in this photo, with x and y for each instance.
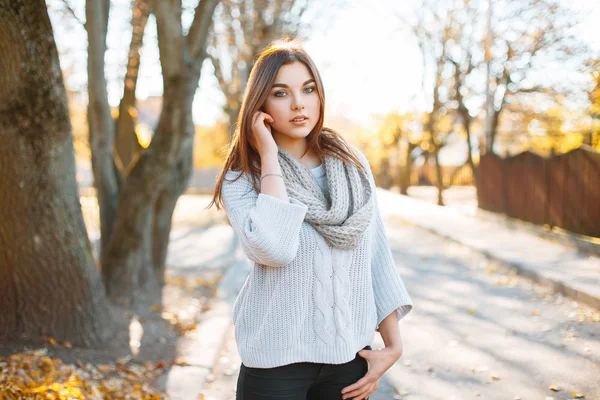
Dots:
(242, 154)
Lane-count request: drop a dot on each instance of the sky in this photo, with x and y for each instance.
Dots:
(369, 65)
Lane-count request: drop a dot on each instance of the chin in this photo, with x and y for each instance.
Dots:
(298, 132)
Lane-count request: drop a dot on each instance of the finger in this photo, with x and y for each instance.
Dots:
(370, 390)
(269, 118)
(359, 393)
(367, 393)
(373, 389)
(361, 382)
(257, 115)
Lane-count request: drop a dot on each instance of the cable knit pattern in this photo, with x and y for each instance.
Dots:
(305, 299)
(323, 295)
(341, 286)
(342, 214)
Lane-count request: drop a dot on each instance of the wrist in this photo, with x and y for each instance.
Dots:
(269, 156)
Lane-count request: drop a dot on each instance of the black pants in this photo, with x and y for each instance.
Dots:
(300, 381)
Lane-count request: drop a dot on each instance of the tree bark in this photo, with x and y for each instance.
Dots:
(49, 284)
(163, 211)
(129, 263)
(100, 121)
(137, 247)
(463, 111)
(126, 142)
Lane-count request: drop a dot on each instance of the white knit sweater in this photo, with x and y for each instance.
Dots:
(305, 300)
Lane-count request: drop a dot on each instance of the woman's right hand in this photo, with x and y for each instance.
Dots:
(261, 129)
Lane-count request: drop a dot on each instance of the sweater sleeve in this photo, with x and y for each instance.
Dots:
(267, 227)
(388, 287)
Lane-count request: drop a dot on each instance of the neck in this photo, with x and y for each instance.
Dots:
(296, 147)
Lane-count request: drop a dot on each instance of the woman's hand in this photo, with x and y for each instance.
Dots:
(379, 362)
(261, 130)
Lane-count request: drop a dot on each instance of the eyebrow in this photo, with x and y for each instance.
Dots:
(283, 85)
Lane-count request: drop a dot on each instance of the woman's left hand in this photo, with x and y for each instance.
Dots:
(379, 361)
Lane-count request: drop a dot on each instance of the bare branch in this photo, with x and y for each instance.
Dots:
(72, 12)
(198, 34)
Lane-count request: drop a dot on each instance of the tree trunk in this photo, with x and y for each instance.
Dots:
(163, 211)
(439, 179)
(232, 115)
(49, 284)
(404, 179)
(466, 120)
(405, 171)
(126, 142)
(494, 128)
(129, 264)
(138, 241)
(384, 173)
(100, 121)
(470, 154)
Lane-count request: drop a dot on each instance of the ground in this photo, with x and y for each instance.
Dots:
(144, 345)
(477, 330)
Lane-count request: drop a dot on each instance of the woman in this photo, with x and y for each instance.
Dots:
(303, 204)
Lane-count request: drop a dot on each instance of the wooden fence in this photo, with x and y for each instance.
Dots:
(562, 191)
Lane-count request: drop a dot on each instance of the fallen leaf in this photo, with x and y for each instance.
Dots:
(180, 362)
(554, 387)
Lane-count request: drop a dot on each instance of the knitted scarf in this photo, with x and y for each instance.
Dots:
(342, 216)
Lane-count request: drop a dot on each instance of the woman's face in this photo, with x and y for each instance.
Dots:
(293, 101)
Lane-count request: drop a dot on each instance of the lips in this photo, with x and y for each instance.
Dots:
(299, 118)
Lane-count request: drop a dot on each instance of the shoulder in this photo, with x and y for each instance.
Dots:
(233, 175)
(236, 184)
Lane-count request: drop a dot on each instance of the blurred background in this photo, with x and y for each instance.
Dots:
(461, 103)
(480, 119)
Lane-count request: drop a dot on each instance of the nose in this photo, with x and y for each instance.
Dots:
(297, 104)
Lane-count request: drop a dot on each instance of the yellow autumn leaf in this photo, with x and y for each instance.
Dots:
(577, 395)
(39, 389)
(554, 387)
